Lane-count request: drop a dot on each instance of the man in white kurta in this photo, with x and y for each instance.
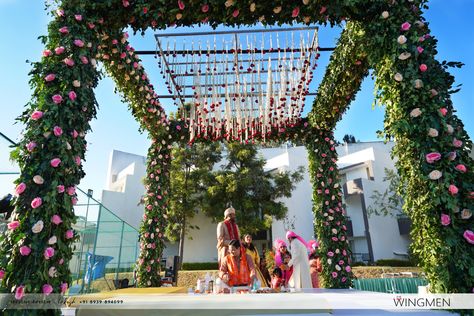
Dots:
(301, 277)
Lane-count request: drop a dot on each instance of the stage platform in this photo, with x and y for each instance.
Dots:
(177, 301)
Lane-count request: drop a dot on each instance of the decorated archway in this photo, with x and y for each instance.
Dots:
(389, 37)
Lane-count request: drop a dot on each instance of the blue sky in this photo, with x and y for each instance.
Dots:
(21, 22)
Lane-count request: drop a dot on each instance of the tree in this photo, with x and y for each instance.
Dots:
(390, 201)
(243, 183)
(349, 139)
(191, 169)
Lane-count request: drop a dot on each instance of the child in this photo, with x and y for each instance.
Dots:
(287, 271)
(277, 280)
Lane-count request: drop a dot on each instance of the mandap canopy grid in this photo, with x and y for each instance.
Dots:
(391, 37)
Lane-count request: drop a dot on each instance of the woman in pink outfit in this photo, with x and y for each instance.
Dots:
(315, 266)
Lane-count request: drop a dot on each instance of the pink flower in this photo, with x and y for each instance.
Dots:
(69, 62)
(74, 201)
(63, 287)
(47, 289)
(47, 53)
(75, 134)
(61, 261)
(78, 43)
(69, 234)
(72, 95)
(78, 17)
(330, 254)
(295, 12)
(77, 160)
(423, 68)
(55, 162)
(60, 12)
(50, 77)
(181, 5)
(125, 3)
(84, 60)
(20, 292)
(461, 168)
(2, 274)
(334, 274)
(235, 13)
(36, 115)
(71, 190)
(348, 269)
(469, 236)
(452, 156)
(453, 190)
(37, 201)
(443, 111)
(20, 189)
(323, 9)
(205, 8)
(405, 26)
(343, 279)
(58, 131)
(445, 219)
(432, 157)
(57, 98)
(56, 219)
(60, 188)
(420, 49)
(91, 25)
(30, 146)
(64, 30)
(457, 143)
(25, 250)
(13, 225)
(59, 50)
(48, 253)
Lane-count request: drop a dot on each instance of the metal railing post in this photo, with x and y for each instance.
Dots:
(95, 246)
(120, 252)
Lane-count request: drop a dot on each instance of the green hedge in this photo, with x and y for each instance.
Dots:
(394, 263)
(200, 266)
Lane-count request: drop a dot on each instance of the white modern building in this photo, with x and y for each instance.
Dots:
(362, 169)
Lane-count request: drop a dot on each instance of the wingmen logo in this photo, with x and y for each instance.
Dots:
(421, 302)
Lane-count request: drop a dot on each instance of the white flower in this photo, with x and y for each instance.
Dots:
(401, 39)
(330, 218)
(229, 3)
(76, 83)
(46, 134)
(450, 129)
(38, 179)
(418, 84)
(404, 56)
(89, 45)
(466, 213)
(52, 240)
(93, 62)
(415, 112)
(433, 132)
(329, 261)
(337, 250)
(398, 77)
(334, 231)
(252, 7)
(68, 146)
(305, 2)
(385, 14)
(52, 272)
(420, 24)
(435, 175)
(38, 227)
(338, 268)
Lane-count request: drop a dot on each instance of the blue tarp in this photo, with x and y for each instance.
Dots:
(96, 266)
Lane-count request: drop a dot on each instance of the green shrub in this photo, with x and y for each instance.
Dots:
(359, 264)
(200, 266)
(394, 263)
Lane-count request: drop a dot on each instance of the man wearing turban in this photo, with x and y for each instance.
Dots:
(300, 278)
(227, 230)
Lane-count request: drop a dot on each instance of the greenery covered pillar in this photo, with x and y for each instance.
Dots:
(347, 68)
(431, 145)
(36, 249)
